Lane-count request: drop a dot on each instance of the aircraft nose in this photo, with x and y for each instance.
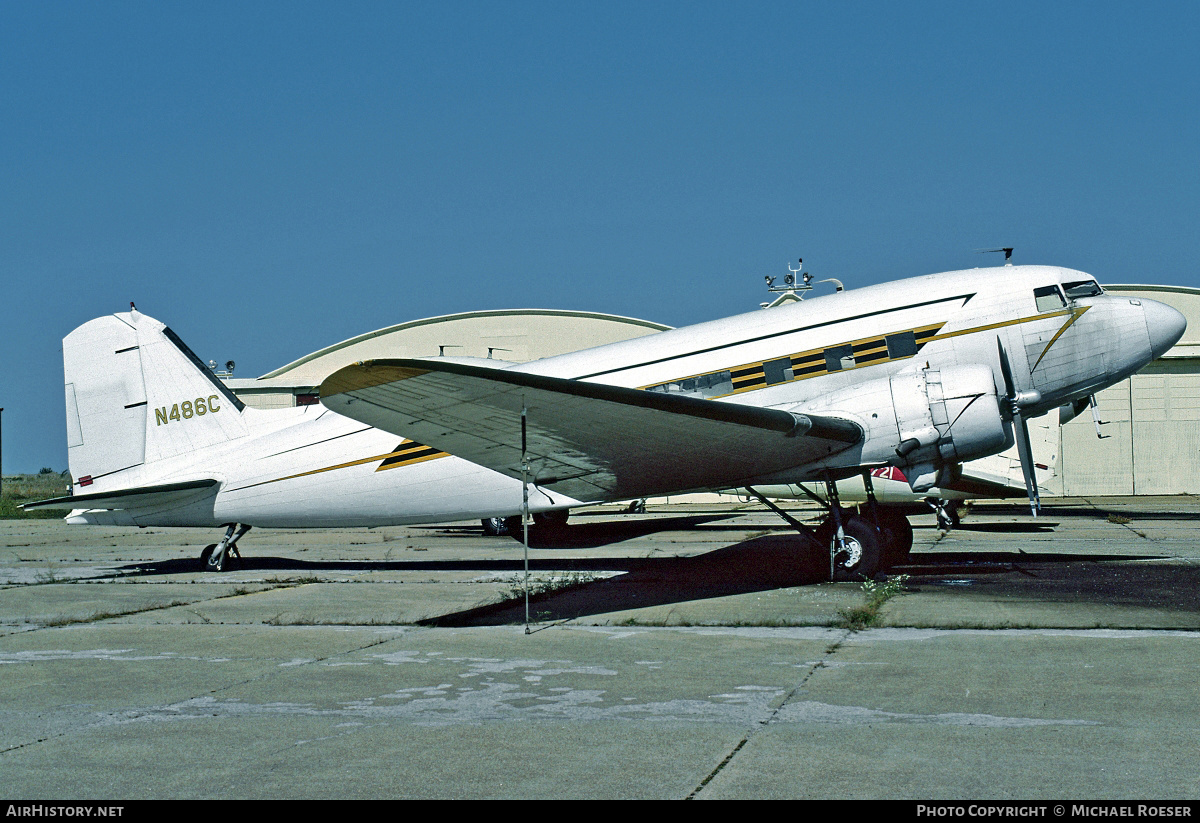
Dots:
(1165, 324)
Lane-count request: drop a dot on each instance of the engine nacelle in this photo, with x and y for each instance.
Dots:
(943, 418)
(925, 421)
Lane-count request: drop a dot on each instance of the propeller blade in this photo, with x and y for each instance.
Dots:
(1010, 390)
(1020, 431)
(1025, 450)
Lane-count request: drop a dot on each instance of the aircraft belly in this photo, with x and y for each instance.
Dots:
(446, 488)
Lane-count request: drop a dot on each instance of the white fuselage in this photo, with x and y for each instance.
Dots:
(310, 467)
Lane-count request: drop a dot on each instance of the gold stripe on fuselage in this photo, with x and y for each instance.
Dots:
(1075, 315)
(388, 461)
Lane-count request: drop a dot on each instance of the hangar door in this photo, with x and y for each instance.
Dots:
(1166, 428)
(1088, 465)
(1151, 442)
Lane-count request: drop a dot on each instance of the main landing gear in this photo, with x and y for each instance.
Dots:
(546, 528)
(859, 544)
(219, 557)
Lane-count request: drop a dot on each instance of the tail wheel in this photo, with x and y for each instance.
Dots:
(215, 561)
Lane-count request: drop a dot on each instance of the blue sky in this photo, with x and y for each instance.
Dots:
(270, 178)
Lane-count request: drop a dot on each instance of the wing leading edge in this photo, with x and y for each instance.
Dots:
(587, 440)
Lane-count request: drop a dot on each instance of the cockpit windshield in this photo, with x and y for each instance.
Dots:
(1082, 288)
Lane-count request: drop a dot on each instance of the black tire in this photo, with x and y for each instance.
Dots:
(494, 526)
(214, 562)
(514, 528)
(897, 540)
(205, 555)
(553, 519)
(860, 558)
(547, 530)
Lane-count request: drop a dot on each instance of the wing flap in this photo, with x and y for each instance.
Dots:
(590, 441)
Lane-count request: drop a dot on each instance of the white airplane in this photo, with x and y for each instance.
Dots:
(920, 374)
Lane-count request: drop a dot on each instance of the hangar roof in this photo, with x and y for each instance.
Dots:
(515, 335)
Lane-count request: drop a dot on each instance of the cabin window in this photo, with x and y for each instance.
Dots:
(705, 385)
(1049, 298)
(839, 357)
(903, 344)
(778, 371)
(307, 399)
(1082, 288)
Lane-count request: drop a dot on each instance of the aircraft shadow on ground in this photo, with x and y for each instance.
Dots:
(759, 564)
(768, 563)
(1092, 511)
(763, 563)
(594, 535)
(1040, 527)
(576, 536)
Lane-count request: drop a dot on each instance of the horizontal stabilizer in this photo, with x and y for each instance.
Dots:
(144, 497)
(590, 441)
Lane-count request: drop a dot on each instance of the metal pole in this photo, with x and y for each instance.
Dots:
(525, 512)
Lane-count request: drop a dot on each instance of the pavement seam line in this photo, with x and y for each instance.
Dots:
(762, 724)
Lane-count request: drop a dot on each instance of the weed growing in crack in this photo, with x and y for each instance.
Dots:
(868, 615)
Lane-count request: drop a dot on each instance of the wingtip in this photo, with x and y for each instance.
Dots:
(366, 374)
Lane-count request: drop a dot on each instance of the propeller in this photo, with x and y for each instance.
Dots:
(1020, 428)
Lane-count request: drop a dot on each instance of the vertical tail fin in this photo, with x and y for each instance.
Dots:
(135, 394)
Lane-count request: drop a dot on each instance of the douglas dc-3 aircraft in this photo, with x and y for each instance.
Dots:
(920, 374)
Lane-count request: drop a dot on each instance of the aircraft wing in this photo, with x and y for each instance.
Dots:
(140, 497)
(586, 440)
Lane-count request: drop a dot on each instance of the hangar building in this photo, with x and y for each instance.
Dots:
(515, 335)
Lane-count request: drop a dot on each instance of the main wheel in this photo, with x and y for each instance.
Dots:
(858, 558)
(897, 535)
(495, 526)
(206, 554)
(556, 519)
(546, 530)
(513, 527)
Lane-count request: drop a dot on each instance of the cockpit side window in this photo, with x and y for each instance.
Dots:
(1082, 288)
(1049, 298)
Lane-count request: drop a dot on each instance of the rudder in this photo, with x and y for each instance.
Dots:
(136, 394)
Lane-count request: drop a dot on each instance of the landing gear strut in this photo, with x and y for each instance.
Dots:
(947, 513)
(858, 544)
(854, 541)
(218, 557)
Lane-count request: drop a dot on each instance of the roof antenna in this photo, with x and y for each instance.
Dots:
(788, 291)
(1007, 253)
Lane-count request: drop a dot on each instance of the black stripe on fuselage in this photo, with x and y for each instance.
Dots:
(409, 451)
(962, 297)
